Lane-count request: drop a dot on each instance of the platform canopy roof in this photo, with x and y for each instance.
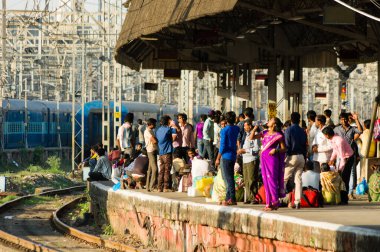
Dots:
(217, 34)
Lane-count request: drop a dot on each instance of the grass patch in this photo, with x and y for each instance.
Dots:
(8, 198)
(52, 165)
(107, 230)
(84, 208)
(79, 210)
(27, 182)
(37, 200)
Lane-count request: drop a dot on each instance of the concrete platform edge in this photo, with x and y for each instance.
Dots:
(313, 234)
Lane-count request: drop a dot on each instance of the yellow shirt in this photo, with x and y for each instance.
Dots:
(364, 139)
(95, 156)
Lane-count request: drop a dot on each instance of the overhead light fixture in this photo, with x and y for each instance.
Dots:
(295, 18)
(149, 38)
(251, 31)
(262, 27)
(240, 37)
(276, 21)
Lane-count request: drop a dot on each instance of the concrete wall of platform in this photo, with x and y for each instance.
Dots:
(176, 225)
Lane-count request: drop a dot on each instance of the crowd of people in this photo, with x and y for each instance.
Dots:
(272, 162)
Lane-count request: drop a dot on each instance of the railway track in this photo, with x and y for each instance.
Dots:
(32, 223)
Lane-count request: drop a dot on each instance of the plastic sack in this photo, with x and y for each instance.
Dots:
(362, 187)
(115, 174)
(193, 192)
(207, 191)
(116, 186)
(199, 167)
(203, 182)
(219, 188)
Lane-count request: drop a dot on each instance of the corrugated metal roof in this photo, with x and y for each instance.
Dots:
(145, 17)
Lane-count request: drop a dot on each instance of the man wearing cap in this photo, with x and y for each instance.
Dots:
(208, 136)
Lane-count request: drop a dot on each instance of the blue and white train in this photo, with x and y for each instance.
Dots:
(50, 127)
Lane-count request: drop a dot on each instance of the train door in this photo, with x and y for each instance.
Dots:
(48, 132)
(95, 128)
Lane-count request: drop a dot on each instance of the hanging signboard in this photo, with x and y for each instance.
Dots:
(272, 110)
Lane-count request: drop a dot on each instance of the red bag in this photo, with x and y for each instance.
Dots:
(310, 198)
(115, 155)
(260, 196)
(376, 130)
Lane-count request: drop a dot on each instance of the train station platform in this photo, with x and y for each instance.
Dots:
(176, 222)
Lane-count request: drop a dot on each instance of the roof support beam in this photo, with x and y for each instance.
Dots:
(326, 28)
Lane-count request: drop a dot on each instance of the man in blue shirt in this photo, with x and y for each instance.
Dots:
(227, 151)
(165, 136)
(295, 140)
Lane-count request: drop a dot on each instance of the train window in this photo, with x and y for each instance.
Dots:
(105, 133)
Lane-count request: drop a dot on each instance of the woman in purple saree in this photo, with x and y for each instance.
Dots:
(272, 160)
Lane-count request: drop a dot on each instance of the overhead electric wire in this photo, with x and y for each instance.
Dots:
(357, 10)
(375, 3)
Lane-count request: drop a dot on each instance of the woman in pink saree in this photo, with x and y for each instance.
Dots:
(272, 160)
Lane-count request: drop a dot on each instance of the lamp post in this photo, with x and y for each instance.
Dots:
(25, 113)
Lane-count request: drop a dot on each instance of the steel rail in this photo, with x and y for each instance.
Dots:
(23, 243)
(64, 228)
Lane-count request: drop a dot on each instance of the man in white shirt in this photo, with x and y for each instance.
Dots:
(321, 146)
(141, 130)
(312, 130)
(310, 178)
(151, 148)
(217, 130)
(126, 136)
(208, 135)
(250, 154)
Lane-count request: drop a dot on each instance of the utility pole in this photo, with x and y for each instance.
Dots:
(73, 113)
(25, 114)
(20, 79)
(4, 51)
(106, 85)
(84, 81)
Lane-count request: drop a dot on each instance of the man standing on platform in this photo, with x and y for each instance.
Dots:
(312, 130)
(350, 134)
(248, 116)
(250, 154)
(151, 148)
(187, 135)
(208, 135)
(295, 140)
(126, 136)
(141, 129)
(165, 137)
(321, 146)
(199, 134)
(227, 151)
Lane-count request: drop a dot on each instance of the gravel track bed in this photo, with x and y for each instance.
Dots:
(32, 222)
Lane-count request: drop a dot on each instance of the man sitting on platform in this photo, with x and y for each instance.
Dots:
(310, 178)
(332, 185)
(103, 169)
(136, 172)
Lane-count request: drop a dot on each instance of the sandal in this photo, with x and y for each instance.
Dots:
(275, 205)
(267, 209)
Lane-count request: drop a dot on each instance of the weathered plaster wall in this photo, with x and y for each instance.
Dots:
(183, 226)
